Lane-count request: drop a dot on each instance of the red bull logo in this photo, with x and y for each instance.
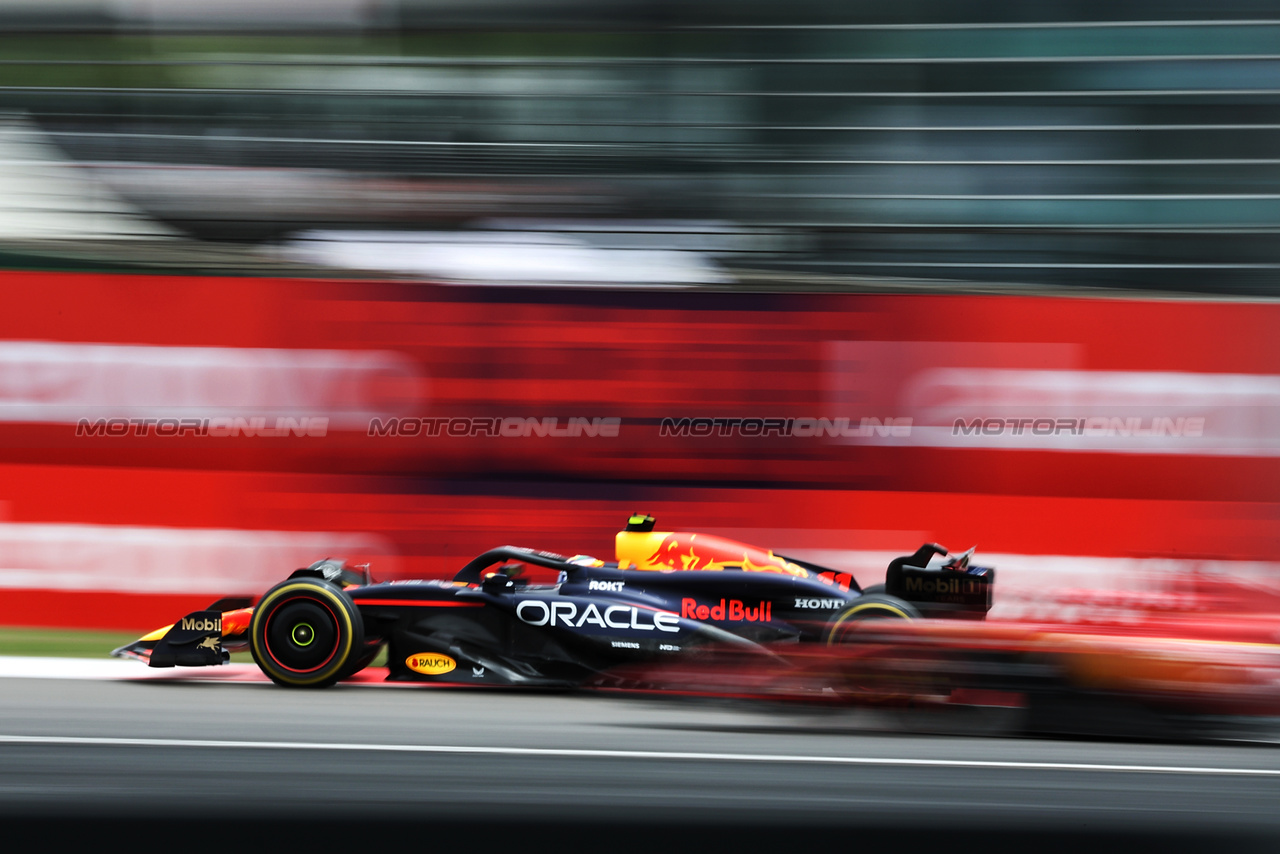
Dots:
(236, 622)
(679, 551)
(731, 610)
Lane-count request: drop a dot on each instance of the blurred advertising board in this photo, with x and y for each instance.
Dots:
(165, 440)
(1037, 395)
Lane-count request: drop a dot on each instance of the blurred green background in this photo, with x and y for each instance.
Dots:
(1129, 144)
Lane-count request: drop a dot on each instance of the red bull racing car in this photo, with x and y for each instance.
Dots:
(666, 595)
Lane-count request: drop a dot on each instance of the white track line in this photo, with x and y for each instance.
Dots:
(576, 753)
(119, 670)
(49, 667)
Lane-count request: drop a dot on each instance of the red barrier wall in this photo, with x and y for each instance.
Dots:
(645, 357)
(349, 349)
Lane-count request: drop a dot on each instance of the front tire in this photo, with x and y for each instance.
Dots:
(306, 633)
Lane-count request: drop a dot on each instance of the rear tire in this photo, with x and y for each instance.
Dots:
(306, 633)
(872, 673)
(869, 606)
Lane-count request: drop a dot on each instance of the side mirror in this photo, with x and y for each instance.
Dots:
(496, 582)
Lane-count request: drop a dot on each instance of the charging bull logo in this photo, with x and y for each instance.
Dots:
(236, 622)
(681, 551)
(677, 552)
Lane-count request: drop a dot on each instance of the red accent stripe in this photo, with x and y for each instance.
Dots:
(420, 603)
(337, 641)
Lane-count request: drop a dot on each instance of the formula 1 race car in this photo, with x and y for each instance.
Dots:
(667, 594)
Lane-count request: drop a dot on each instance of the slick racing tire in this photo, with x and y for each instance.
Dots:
(873, 675)
(306, 633)
(869, 606)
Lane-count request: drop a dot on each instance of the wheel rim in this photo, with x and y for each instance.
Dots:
(301, 634)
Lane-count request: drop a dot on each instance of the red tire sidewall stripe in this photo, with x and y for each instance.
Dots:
(266, 627)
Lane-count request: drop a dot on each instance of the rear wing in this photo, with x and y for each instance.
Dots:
(952, 589)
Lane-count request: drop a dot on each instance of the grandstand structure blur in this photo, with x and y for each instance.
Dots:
(1122, 144)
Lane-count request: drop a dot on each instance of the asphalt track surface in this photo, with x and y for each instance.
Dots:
(163, 760)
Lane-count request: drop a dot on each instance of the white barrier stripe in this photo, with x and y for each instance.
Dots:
(586, 753)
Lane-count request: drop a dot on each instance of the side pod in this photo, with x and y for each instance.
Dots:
(193, 641)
